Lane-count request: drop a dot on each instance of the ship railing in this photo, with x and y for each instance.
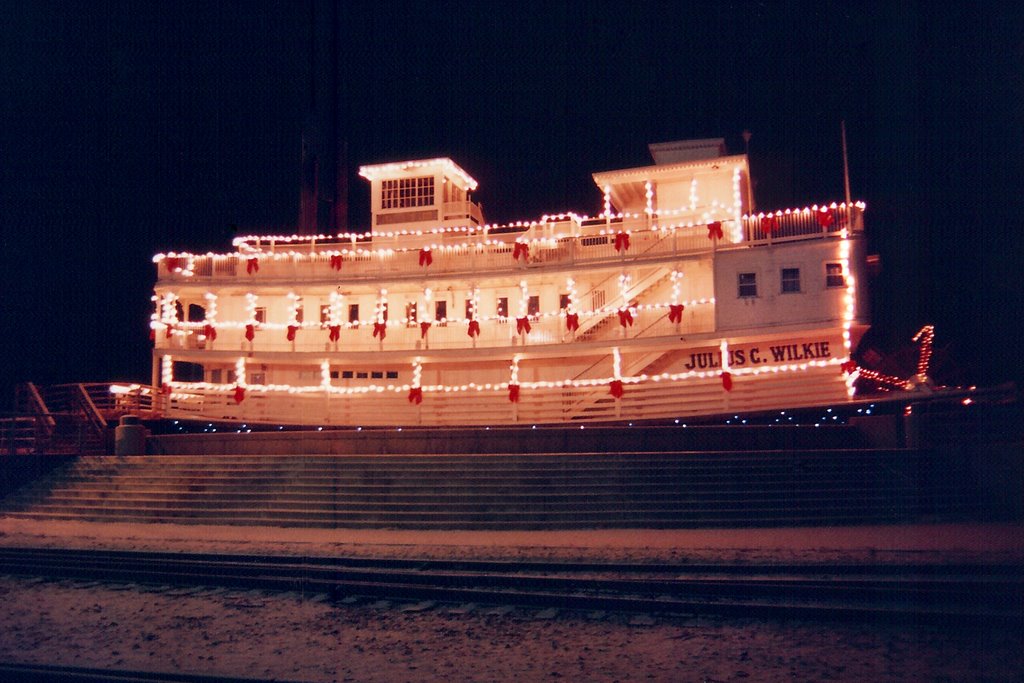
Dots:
(465, 210)
(801, 224)
(565, 242)
(536, 405)
(453, 334)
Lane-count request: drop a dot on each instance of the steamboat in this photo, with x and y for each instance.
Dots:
(677, 300)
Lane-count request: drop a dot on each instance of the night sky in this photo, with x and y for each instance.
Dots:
(130, 128)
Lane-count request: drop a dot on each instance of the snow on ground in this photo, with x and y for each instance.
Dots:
(295, 637)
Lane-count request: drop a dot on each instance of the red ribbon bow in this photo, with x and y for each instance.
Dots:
(252, 265)
(416, 395)
(169, 331)
(250, 332)
(334, 333)
(239, 394)
(513, 393)
(572, 321)
(173, 263)
(521, 249)
(152, 334)
(523, 325)
(625, 317)
(426, 258)
(474, 328)
(825, 217)
(848, 366)
(675, 313)
(727, 381)
(621, 241)
(381, 330)
(615, 388)
(336, 261)
(424, 326)
(292, 329)
(210, 331)
(769, 224)
(715, 230)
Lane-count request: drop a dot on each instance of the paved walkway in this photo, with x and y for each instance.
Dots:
(997, 542)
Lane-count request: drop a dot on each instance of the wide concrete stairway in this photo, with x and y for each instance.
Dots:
(513, 479)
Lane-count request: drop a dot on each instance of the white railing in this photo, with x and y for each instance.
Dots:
(647, 322)
(645, 400)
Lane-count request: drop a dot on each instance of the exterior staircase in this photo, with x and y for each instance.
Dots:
(467, 479)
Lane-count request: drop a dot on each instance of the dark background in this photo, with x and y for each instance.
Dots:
(130, 128)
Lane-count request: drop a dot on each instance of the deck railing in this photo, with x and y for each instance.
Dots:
(561, 243)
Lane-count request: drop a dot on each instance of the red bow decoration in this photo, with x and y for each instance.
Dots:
(848, 366)
(210, 331)
(173, 262)
(769, 224)
(416, 395)
(169, 331)
(336, 261)
(615, 388)
(252, 265)
(521, 249)
(424, 326)
(152, 334)
(625, 317)
(825, 217)
(292, 329)
(715, 230)
(513, 393)
(572, 321)
(239, 394)
(675, 313)
(250, 332)
(727, 381)
(523, 325)
(621, 241)
(166, 389)
(474, 328)
(334, 333)
(380, 329)
(426, 258)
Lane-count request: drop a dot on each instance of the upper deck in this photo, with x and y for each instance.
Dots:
(551, 243)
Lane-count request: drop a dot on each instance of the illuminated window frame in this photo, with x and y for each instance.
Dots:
(407, 193)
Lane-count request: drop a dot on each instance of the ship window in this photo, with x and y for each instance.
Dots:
(377, 374)
(232, 377)
(834, 275)
(502, 307)
(563, 301)
(747, 284)
(345, 374)
(533, 305)
(790, 280)
(440, 311)
(404, 193)
(353, 313)
(361, 375)
(325, 315)
(392, 374)
(299, 314)
(469, 309)
(258, 378)
(196, 313)
(261, 314)
(215, 376)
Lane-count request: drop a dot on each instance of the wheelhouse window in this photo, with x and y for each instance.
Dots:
(404, 193)
(790, 280)
(747, 285)
(834, 275)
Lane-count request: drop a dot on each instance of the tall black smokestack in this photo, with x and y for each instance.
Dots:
(323, 200)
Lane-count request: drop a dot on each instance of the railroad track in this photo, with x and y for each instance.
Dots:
(919, 593)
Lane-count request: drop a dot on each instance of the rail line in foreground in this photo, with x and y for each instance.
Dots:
(884, 593)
